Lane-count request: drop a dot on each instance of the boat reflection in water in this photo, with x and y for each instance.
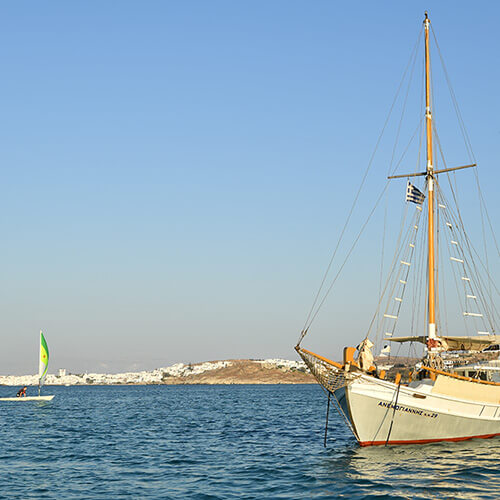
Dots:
(466, 469)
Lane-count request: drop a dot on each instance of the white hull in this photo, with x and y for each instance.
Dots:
(419, 416)
(29, 398)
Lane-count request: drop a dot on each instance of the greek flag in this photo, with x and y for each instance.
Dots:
(413, 194)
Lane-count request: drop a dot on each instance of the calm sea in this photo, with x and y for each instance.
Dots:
(209, 442)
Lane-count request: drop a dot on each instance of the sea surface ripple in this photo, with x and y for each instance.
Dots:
(218, 442)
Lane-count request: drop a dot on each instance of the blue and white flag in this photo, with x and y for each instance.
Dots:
(414, 194)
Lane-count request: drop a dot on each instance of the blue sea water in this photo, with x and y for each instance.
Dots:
(211, 442)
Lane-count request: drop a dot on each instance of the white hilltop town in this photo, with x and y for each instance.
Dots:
(210, 372)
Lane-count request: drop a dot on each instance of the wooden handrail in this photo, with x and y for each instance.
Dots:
(455, 375)
(326, 360)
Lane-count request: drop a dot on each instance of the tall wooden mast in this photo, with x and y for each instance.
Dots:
(430, 184)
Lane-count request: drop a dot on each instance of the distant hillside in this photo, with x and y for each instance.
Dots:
(244, 371)
(234, 371)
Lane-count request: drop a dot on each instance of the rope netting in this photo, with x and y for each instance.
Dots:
(329, 376)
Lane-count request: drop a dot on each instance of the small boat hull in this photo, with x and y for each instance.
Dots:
(29, 398)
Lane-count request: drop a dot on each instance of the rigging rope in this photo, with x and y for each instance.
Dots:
(466, 251)
(469, 269)
(399, 247)
(311, 316)
(470, 151)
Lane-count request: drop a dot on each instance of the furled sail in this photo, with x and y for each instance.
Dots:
(447, 343)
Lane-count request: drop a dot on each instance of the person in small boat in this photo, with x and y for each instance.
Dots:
(21, 393)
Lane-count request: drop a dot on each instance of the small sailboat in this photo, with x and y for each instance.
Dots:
(43, 366)
(435, 401)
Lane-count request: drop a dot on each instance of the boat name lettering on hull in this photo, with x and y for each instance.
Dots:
(414, 411)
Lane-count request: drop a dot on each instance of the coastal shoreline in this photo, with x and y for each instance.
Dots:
(227, 372)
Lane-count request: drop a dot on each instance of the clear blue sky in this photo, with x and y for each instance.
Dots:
(174, 174)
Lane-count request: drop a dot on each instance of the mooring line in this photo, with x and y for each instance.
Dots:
(393, 413)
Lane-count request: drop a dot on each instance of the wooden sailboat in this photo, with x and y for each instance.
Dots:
(43, 365)
(436, 403)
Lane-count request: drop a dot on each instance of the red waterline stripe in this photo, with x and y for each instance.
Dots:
(426, 441)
